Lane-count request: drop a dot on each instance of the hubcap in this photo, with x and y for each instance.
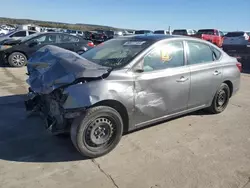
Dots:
(221, 99)
(99, 132)
(18, 60)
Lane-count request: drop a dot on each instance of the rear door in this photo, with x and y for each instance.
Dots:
(68, 42)
(206, 73)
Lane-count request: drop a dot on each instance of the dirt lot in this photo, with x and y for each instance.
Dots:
(197, 150)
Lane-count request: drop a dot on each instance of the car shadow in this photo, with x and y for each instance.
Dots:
(24, 139)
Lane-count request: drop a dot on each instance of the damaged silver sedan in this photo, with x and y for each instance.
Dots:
(127, 83)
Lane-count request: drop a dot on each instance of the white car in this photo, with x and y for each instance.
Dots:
(237, 44)
(3, 31)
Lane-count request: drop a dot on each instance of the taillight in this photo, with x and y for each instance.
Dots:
(91, 44)
(238, 64)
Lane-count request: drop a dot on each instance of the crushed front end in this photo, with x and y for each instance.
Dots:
(50, 108)
(52, 70)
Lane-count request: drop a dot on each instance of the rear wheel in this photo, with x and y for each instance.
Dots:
(17, 59)
(220, 100)
(98, 132)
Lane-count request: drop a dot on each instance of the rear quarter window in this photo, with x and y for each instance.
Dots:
(216, 54)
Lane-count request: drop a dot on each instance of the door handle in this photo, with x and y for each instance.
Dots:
(182, 79)
(217, 72)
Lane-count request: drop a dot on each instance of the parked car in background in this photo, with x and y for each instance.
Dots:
(3, 31)
(164, 32)
(119, 33)
(139, 32)
(74, 32)
(237, 44)
(16, 52)
(184, 32)
(87, 35)
(127, 32)
(212, 35)
(16, 34)
(123, 33)
(128, 83)
(99, 36)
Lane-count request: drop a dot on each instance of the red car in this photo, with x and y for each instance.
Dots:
(212, 35)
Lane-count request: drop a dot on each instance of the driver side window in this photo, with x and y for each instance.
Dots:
(170, 55)
(45, 39)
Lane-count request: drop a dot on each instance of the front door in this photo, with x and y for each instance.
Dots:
(163, 87)
(206, 73)
(40, 41)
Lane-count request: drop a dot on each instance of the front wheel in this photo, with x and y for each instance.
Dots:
(97, 132)
(220, 100)
(17, 59)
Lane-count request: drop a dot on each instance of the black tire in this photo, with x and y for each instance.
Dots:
(220, 100)
(80, 52)
(17, 59)
(85, 131)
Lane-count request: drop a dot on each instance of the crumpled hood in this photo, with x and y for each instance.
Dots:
(52, 67)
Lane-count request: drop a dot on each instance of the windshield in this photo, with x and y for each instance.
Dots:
(142, 32)
(206, 31)
(24, 39)
(159, 32)
(116, 53)
(234, 34)
(180, 32)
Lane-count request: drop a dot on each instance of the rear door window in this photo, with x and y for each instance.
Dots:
(68, 39)
(199, 53)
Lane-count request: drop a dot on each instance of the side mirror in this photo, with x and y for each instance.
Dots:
(139, 68)
(33, 44)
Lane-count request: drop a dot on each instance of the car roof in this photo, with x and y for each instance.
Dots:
(153, 37)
